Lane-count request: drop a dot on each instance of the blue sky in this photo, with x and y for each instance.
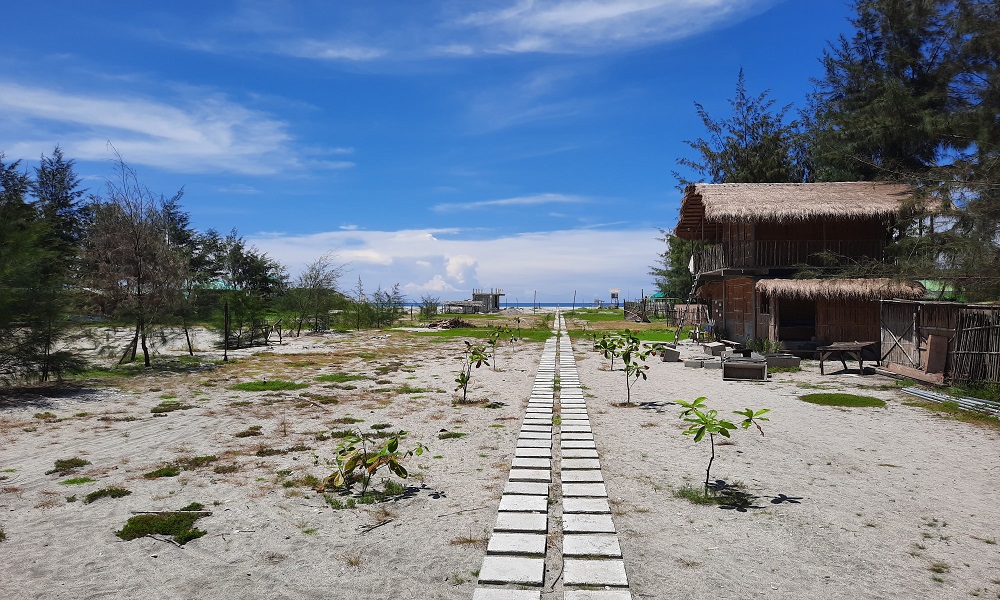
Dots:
(442, 145)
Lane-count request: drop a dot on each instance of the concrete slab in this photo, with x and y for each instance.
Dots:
(592, 572)
(592, 545)
(518, 503)
(513, 569)
(582, 476)
(541, 428)
(517, 543)
(580, 463)
(585, 523)
(531, 463)
(522, 522)
(589, 595)
(591, 490)
(586, 505)
(526, 488)
(572, 427)
(577, 444)
(534, 435)
(534, 443)
(497, 594)
(533, 421)
(574, 435)
(543, 475)
(577, 453)
(533, 452)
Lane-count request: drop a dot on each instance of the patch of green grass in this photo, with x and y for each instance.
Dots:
(193, 462)
(448, 435)
(225, 469)
(340, 377)
(529, 335)
(179, 525)
(71, 498)
(378, 426)
(696, 495)
(109, 492)
(267, 451)
(65, 466)
(46, 416)
(794, 369)
(77, 481)
(984, 391)
(805, 385)
(249, 432)
(167, 471)
(169, 406)
(81, 414)
(405, 389)
(954, 411)
(849, 400)
(168, 396)
(268, 386)
(346, 421)
(494, 405)
(193, 507)
(3, 534)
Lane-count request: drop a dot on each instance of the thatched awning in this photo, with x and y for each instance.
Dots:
(862, 289)
(705, 205)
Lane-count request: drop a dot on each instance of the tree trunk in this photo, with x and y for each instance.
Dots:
(711, 439)
(187, 336)
(145, 349)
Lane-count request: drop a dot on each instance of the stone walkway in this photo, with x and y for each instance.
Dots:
(580, 542)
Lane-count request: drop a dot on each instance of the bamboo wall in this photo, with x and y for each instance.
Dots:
(977, 351)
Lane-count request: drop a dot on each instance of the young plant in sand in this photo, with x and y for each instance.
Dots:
(493, 338)
(632, 355)
(705, 420)
(608, 347)
(359, 457)
(475, 355)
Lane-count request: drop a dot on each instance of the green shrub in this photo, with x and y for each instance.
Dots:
(169, 406)
(179, 525)
(340, 377)
(110, 492)
(65, 466)
(167, 471)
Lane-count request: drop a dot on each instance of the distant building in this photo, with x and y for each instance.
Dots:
(490, 300)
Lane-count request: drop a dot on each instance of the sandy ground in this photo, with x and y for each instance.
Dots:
(851, 503)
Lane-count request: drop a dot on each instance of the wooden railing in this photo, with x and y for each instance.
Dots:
(786, 253)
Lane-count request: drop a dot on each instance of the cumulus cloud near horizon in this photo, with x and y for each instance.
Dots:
(442, 263)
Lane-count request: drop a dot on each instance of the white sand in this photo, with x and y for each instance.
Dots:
(854, 533)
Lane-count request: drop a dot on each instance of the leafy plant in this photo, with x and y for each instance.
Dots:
(850, 400)
(359, 458)
(632, 355)
(475, 355)
(608, 347)
(166, 471)
(704, 420)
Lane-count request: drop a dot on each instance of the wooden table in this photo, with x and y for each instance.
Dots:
(844, 350)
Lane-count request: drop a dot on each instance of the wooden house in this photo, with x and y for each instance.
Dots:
(755, 237)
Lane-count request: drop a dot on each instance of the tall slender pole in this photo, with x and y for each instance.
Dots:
(225, 333)
(574, 302)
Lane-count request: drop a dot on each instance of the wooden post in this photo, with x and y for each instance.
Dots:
(225, 333)
(574, 302)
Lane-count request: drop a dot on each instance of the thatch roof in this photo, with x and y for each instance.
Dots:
(864, 289)
(707, 204)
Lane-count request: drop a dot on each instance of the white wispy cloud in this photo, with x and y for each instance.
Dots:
(192, 132)
(324, 31)
(321, 50)
(436, 260)
(575, 26)
(533, 200)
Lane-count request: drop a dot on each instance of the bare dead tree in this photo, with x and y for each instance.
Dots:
(132, 266)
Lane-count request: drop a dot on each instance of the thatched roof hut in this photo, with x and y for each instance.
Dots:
(857, 289)
(707, 205)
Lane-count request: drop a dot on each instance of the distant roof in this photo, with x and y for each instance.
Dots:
(868, 289)
(706, 204)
